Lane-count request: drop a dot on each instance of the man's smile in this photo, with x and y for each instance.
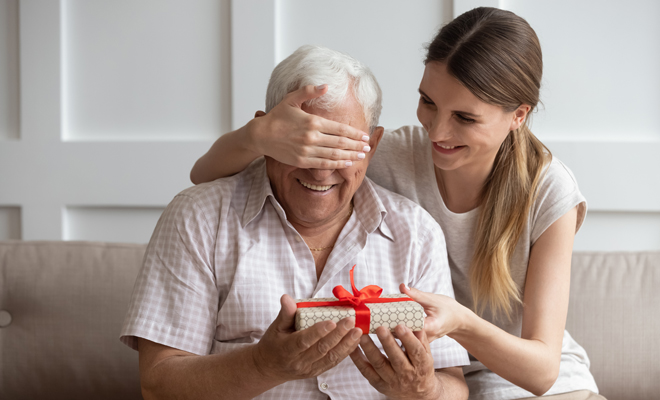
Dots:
(315, 187)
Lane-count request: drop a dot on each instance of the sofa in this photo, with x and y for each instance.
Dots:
(62, 305)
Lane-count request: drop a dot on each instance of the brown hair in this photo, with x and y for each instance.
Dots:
(497, 56)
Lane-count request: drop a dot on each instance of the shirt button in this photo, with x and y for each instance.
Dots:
(298, 239)
(324, 386)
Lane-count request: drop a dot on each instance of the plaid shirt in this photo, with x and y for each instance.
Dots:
(223, 253)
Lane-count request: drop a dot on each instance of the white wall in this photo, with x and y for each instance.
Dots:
(105, 105)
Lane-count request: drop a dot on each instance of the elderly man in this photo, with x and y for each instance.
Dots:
(204, 312)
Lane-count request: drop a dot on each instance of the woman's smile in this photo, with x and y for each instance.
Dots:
(444, 149)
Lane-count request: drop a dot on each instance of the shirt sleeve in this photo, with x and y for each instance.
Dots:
(434, 276)
(175, 299)
(557, 195)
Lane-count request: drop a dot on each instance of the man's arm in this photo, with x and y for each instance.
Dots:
(280, 356)
(166, 372)
(452, 383)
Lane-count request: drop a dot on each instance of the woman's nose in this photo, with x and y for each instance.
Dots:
(440, 129)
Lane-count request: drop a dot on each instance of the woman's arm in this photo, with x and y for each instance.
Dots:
(287, 134)
(531, 361)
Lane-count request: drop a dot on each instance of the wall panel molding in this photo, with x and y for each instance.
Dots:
(110, 224)
(619, 231)
(40, 76)
(10, 223)
(9, 70)
(614, 176)
(47, 177)
(253, 55)
(146, 70)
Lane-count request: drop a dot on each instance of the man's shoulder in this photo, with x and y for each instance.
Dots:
(211, 198)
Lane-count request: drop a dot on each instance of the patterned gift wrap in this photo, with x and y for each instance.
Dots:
(389, 315)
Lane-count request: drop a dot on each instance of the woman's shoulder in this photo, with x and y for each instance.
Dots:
(401, 160)
(557, 180)
(401, 144)
(558, 193)
(556, 170)
(412, 136)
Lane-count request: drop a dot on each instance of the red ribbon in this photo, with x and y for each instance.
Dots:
(358, 300)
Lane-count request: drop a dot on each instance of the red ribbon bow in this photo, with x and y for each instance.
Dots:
(358, 300)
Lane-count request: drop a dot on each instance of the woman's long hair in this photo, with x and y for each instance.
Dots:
(497, 56)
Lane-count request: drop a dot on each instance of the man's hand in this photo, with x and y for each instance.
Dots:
(283, 354)
(402, 374)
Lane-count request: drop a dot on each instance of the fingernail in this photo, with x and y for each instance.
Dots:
(349, 323)
(321, 87)
(400, 330)
(356, 334)
(365, 138)
(407, 287)
(349, 163)
(361, 156)
(366, 149)
(381, 333)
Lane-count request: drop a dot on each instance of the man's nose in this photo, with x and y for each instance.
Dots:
(320, 174)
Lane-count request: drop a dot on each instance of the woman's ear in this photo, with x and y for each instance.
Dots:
(519, 116)
(259, 114)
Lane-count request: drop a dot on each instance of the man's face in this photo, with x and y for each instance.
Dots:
(315, 197)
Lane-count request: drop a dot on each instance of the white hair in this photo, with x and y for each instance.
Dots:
(315, 65)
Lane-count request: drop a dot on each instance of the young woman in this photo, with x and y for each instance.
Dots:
(509, 210)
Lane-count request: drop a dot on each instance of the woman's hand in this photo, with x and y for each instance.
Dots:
(294, 137)
(443, 314)
(402, 374)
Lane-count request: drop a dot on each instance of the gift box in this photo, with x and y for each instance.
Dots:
(369, 308)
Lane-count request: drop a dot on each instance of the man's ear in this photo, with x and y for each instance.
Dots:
(259, 114)
(374, 139)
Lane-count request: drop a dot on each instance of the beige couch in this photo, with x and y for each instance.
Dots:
(67, 302)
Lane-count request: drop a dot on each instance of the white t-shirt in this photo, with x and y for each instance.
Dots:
(403, 163)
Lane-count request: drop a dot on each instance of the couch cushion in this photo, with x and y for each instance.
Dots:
(67, 301)
(613, 314)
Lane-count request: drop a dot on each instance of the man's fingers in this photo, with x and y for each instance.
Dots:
(337, 353)
(365, 367)
(302, 341)
(378, 361)
(286, 318)
(397, 358)
(329, 344)
(417, 351)
(298, 97)
(424, 339)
